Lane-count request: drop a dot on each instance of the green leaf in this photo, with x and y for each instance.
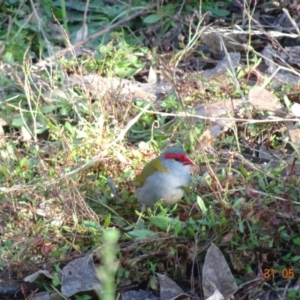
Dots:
(244, 172)
(48, 108)
(215, 10)
(292, 294)
(64, 111)
(23, 162)
(166, 223)
(57, 13)
(70, 128)
(91, 225)
(191, 231)
(241, 226)
(296, 258)
(221, 12)
(55, 280)
(152, 19)
(297, 241)
(142, 233)
(170, 102)
(19, 121)
(169, 10)
(8, 58)
(201, 205)
(125, 72)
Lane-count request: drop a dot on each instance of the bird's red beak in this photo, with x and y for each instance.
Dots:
(187, 160)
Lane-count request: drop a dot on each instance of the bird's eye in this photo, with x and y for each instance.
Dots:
(177, 159)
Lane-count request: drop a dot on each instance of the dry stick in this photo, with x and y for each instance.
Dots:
(291, 20)
(84, 29)
(252, 121)
(85, 12)
(86, 165)
(181, 7)
(40, 27)
(94, 36)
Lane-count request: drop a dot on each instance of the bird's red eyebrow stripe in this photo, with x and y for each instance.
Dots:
(181, 157)
(174, 155)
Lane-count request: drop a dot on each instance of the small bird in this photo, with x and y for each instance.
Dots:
(164, 178)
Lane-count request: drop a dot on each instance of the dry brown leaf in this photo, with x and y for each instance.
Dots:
(263, 99)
